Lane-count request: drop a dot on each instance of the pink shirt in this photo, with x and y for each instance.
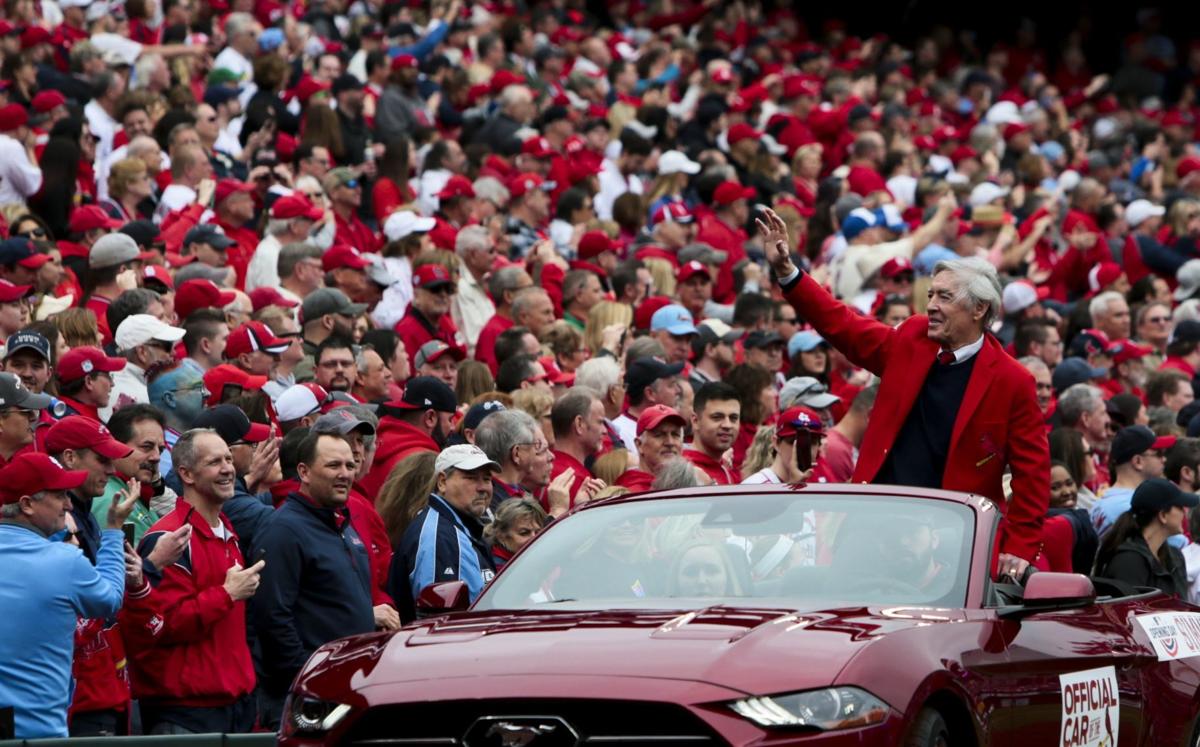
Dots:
(838, 461)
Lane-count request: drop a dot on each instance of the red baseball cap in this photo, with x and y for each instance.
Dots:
(33, 36)
(456, 186)
(722, 75)
(341, 255)
(896, 266)
(502, 79)
(795, 419)
(1130, 350)
(264, 296)
(254, 337)
(944, 133)
(431, 276)
(158, 273)
(538, 147)
(688, 270)
(673, 212)
(10, 292)
(89, 218)
(31, 472)
(654, 416)
(1012, 129)
(742, 131)
(79, 362)
(309, 87)
(295, 206)
(44, 101)
(594, 243)
(81, 432)
(401, 61)
(1187, 165)
(523, 183)
(219, 377)
(645, 311)
(228, 187)
(200, 294)
(728, 193)
(1103, 275)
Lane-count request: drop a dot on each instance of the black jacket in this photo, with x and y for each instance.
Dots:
(316, 586)
(1134, 564)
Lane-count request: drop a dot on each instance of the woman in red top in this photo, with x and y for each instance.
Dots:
(391, 188)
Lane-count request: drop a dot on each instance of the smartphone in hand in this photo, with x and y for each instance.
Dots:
(130, 533)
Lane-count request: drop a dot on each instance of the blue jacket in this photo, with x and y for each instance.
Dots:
(316, 586)
(47, 587)
(441, 544)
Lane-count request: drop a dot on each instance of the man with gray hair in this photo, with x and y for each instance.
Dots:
(503, 285)
(1110, 314)
(1081, 407)
(300, 271)
(471, 308)
(954, 410)
(515, 441)
(291, 221)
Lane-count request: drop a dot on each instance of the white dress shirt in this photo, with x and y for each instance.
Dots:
(471, 310)
(19, 179)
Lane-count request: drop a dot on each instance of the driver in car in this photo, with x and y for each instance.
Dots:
(907, 552)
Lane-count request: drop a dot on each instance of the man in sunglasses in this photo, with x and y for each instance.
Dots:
(20, 261)
(428, 316)
(345, 193)
(148, 346)
(18, 416)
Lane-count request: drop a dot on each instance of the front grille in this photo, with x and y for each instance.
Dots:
(546, 723)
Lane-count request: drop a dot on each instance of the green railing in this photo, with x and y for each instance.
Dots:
(188, 740)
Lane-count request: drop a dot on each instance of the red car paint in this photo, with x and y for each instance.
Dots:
(632, 674)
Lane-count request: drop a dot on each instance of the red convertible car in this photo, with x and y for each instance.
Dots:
(766, 615)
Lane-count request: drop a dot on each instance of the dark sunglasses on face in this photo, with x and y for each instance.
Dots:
(33, 233)
(352, 184)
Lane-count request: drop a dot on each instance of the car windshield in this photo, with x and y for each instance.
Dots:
(801, 549)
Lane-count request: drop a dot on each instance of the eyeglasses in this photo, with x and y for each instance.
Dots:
(536, 451)
(33, 233)
(1158, 319)
(352, 184)
(29, 414)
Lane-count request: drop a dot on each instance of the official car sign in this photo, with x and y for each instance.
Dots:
(1174, 635)
(1091, 708)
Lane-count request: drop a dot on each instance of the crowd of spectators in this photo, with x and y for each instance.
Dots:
(306, 306)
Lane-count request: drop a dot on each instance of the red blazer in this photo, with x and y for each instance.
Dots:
(998, 425)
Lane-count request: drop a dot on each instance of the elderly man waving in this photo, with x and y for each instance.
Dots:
(953, 409)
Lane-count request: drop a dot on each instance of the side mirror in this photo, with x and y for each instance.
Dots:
(447, 596)
(1053, 591)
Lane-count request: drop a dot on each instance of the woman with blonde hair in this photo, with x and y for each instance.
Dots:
(536, 402)
(1183, 219)
(128, 185)
(78, 327)
(406, 492)
(663, 274)
(517, 522)
(703, 568)
(611, 466)
(602, 316)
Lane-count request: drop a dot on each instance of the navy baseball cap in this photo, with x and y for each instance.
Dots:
(479, 411)
(1074, 371)
(27, 339)
(424, 393)
(1134, 440)
(1157, 494)
(643, 372)
(207, 233)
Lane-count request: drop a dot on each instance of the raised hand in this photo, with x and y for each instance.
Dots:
(558, 495)
(123, 502)
(775, 242)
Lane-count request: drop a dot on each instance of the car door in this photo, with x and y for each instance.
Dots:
(1057, 687)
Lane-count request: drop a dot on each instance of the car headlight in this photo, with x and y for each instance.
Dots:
(306, 715)
(827, 710)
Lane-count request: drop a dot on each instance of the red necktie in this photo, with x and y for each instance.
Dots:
(945, 358)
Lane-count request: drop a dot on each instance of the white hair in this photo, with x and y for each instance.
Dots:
(977, 283)
(1099, 304)
(1032, 362)
(472, 239)
(140, 146)
(599, 375)
(1077, 400)
(489, 188)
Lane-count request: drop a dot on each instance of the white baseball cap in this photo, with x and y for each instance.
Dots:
(297, 401)
(404, 222)
(1139, 210)
(465, 457)
(1019, 295)
(675, 162)
(140, 329)
(986, 192)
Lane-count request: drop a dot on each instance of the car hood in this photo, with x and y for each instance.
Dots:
(747, 649)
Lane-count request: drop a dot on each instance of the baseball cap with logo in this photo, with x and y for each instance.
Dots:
(265, 296)
(14, 394)
(211, 234)
(90, 217)
(405, 222)
(140, 329)
(232, 425)
(424, 393)
(431, 276)
(341, 256)
(521, 184)
(27, 339)
(807, 391)
(21, 251)
(433, 350)
(712, 331)
(594, 243)
(10, 292)
(254, 337)
(456, 186)
(341, 421)
(79, 362)
(1134, 440)
(655, 415)
(295, 206)
(1092, 342)
(795, 419)
(688, 270)
(463, 457)
(675, 319)
(224, 375)
(673, 212)
(643, 372)
(300, 400)
(32, 472)
(82, 432)
(226, 188)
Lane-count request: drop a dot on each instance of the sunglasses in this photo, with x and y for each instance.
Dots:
(352, 184)
(33, 233)
(448, 290)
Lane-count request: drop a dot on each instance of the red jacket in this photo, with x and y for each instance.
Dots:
(396, 439)
(999, 423)
(187, 640)
(101, 677)
(415, 330)
(485, 348)
(638, 481)
(353, 232)
(239, 254)
(370, 528)
(717, 234)
(714, 468)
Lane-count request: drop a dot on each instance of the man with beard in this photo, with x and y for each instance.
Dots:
(140, 427)
(419, 421)
(428, 316)
(1128, 372)
(317, 586)
(348, 91)
(148, 346)
(712, 351)
(515, 441)
(336, 370)
(324, 313)
(444, 542)
(188, 655)
(179, 394)
(906, 547)
(80, 443)
(659, 438)
(715, 422)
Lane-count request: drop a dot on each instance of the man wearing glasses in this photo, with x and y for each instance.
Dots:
(19, 410)
(345, 193)
(148, 346)
(428, 316)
